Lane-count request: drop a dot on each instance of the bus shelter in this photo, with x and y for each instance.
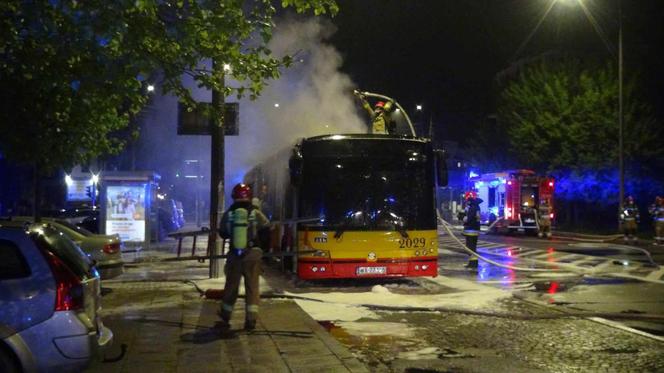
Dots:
(126, 206)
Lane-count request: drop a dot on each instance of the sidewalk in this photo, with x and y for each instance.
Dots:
(167, 327)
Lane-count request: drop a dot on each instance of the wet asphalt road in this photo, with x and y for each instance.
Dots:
(535, 328)
(602, 279)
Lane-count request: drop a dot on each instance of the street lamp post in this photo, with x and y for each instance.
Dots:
(621, 155)
(621, 160)
(216, 178)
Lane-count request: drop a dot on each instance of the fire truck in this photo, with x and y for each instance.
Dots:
(511, 199)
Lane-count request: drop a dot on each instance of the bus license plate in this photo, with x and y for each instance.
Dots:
(371, 271)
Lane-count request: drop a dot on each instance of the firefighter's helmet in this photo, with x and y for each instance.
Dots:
(470, 195)
(241, 192)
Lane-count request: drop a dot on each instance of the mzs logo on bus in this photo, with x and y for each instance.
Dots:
(320, 239)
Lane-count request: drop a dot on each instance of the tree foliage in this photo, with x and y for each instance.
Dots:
(73, 73)
(564, 116)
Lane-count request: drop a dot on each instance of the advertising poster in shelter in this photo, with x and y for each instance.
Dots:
(125, 212)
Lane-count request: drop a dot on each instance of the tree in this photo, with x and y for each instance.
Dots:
(564, 116)
(561, 117)
(73, 73)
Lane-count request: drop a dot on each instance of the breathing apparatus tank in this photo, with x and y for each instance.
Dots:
(243, 225)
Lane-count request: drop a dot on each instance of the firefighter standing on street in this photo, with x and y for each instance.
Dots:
(471, 225)
(241, 224)
(544, 219)
(629, 218)
(657, 212)
(381, 122)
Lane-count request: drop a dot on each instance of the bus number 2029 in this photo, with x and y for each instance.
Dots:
(408, 243)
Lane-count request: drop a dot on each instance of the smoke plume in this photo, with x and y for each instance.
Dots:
(313, 98)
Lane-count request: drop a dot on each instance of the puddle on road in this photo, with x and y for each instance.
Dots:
(607, 281)
(392, 346)
(388, 340)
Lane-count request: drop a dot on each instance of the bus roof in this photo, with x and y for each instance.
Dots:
(366, 146)
(365, 136)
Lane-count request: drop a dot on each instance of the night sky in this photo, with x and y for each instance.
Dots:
(445, 54)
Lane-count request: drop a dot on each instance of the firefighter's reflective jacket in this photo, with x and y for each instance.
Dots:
(471, 220)
(630, 213)
(657, 212)
(381, 122)
(544, 213)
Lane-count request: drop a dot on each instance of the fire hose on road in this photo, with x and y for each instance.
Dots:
(568, 267)
(571, 268)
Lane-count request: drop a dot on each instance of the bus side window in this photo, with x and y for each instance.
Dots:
(295, 166)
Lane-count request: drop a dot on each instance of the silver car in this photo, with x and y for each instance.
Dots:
(105, 250)
(49, 301)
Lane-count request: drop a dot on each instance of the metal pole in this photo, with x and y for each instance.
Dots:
(621, 160)
(431, 127)
(216, 176)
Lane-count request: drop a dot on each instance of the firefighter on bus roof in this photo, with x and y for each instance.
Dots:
(544, 219)
(471, 225)
(629, 219)
(657, 212)
(381, 122)
(241, 223)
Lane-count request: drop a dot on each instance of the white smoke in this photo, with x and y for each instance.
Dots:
(313, 98)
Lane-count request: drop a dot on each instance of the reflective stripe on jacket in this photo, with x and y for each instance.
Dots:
(471, 225)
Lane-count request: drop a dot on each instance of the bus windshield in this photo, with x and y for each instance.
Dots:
(359, 193)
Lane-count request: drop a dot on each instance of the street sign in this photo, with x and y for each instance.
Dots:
(195, 122)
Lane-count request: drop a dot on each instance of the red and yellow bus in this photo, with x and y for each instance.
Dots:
(355, 205)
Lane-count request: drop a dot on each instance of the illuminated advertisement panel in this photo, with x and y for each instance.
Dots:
(125, 211)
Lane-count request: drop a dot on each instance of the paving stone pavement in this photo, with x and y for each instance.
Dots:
(167, 327)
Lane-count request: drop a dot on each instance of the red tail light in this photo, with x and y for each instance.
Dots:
(111, 248)
(69, 291)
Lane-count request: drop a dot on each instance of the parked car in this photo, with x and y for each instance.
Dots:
(84, 217)
(170, 215)
(50, 299)
(105, 250)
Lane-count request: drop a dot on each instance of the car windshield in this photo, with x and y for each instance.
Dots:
(74, 227)
(53, 240)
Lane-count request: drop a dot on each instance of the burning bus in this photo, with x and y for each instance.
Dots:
(352, 206)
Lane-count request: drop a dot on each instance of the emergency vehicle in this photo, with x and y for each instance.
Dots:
(511, 199)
